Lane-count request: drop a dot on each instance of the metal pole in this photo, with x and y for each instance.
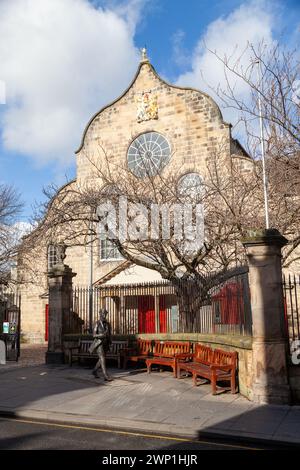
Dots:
(262, 143)
(91, 280)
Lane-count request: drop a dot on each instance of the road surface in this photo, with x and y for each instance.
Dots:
(24, 434)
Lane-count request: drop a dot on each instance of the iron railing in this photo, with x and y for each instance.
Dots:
(213, 305)
(291, 293)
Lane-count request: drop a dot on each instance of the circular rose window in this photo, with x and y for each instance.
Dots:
(148, 154)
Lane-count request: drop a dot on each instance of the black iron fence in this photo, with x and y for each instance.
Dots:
(291, 293)
(215, 304)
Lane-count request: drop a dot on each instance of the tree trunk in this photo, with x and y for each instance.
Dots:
(192, 294)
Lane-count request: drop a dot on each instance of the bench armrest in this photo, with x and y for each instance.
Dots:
(221, 367)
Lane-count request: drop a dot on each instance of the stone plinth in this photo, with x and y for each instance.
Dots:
(60, 305)
(270, 374)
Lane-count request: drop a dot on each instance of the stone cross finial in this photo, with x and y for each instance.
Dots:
(144, 57)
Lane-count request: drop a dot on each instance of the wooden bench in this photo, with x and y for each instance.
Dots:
(215, 365)
(140, 352)
(81, 351)
(165, 354)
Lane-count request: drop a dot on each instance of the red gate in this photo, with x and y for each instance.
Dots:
(46, 321)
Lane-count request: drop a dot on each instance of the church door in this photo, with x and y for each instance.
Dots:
(146, 314)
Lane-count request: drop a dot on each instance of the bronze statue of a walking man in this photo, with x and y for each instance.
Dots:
(101, 343)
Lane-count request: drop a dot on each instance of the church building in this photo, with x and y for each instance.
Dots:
(177, 128)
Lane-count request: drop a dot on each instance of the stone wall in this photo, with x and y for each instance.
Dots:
(189, 119)
(33, 314)
(33, 288)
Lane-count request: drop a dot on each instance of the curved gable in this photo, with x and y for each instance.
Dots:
(137, 76)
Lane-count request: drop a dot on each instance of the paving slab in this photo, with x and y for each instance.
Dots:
(135, 400)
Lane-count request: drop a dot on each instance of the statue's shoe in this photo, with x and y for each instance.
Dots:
(108, 379)
(95, 374)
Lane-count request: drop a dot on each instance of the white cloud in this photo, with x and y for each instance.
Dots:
(19, 230)
(228, 36)
(61, 61)
(180, 54)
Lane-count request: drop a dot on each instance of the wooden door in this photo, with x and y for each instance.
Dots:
(146, 314)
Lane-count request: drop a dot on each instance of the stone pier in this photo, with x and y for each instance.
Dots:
(60, 305)
(270, 374)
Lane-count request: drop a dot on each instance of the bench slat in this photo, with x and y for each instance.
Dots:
(166, 354)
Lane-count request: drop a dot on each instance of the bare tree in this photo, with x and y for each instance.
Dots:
(231, 194)
(10, 207)
(273, 75)
(225, 196)
(278, 87)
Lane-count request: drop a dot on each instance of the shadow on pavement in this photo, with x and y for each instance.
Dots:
(170, 403)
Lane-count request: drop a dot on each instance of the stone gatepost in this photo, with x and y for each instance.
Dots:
(270, 375)
(60, 306)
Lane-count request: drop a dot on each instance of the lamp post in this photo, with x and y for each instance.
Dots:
(91, 277)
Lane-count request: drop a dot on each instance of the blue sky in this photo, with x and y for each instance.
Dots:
(62, 60)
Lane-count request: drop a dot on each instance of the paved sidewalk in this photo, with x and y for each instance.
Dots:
(31, 355)
(155, 403)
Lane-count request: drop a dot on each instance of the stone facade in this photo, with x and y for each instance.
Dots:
(193, 125)
(34, 294)
(190, 120)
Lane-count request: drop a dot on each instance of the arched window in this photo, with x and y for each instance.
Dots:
(52, 255)
(108, 250)
(191, 191)
(190, 186)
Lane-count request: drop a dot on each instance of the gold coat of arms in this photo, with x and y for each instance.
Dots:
(147, 107)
